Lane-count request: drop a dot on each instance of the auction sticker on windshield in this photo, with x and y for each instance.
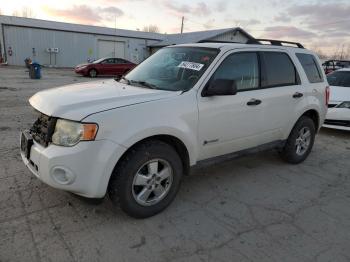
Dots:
(191, 65)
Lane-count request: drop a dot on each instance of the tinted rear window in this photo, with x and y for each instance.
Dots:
(311, 68)
(339, 78)
(279, 70)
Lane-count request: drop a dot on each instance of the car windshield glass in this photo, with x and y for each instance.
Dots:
(339, 78)
(173, 68)
(98, 60)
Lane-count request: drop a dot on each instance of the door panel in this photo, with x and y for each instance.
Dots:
(228, 123)
(283, 93)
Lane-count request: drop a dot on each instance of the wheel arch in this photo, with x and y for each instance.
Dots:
(314, 115)
(171, 140)
(93, 68)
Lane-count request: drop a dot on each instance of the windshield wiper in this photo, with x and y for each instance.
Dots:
(144, 83)
(123, 78)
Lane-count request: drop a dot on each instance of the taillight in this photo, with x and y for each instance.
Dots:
(327, 94)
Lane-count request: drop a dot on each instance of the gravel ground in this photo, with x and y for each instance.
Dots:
(255, 208)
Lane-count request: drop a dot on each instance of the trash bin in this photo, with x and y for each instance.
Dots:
(35, 71)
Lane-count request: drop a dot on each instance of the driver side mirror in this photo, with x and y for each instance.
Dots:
(220, 87)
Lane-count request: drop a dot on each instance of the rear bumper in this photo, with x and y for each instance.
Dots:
(337, 127)
(83, 169)
(337, 124)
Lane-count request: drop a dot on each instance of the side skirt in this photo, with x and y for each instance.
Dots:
(220, 159)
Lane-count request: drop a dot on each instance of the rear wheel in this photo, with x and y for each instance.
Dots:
(92, 73)
(300, 141)
(147, 179)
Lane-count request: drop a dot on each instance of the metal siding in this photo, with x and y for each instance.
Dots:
(231, 37)
(73, 47)
(107, 48)
(76, 28)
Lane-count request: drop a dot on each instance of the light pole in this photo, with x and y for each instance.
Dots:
(115, 33)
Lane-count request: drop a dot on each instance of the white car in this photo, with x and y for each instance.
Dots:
(338, 116)
(184, 105)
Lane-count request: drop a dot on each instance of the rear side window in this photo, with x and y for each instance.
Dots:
(241, 67)
(311, 67)
(120, 61)
(278, 69)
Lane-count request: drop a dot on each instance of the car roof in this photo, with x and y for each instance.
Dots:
(229, 46)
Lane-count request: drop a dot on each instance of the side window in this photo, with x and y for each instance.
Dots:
(278, 69)
(108, 61)
(120, 61)
(311, 67)
(241, 67)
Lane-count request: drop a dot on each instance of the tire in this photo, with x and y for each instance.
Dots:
(298, 146)
(134, 176)
(92, 73)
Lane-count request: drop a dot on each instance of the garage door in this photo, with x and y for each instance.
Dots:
(107, 49)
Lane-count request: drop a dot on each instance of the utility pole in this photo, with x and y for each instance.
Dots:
(182, 24)
(115, 33)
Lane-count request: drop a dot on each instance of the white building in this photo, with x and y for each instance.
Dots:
(66, 45)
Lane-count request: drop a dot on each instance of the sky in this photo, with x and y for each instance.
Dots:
(322, 25)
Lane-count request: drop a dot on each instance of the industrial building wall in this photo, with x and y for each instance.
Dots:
(73, 47)
(233, 36)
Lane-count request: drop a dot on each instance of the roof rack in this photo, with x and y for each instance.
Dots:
(274, 42)
(218, 41)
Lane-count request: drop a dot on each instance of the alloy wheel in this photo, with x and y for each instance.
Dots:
(303, 141)
(152, 182)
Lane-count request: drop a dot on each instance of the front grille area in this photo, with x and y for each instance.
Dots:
(43, 129)
(345, 123)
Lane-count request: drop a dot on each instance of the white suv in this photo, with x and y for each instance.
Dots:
(136, 137)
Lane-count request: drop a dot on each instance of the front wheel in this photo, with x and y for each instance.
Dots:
(300, 141)
(147, 179)
(92, 73)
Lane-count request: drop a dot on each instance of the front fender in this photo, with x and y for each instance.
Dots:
(175, 116)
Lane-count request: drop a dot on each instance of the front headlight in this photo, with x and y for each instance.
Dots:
(69, 133)
(344, 105)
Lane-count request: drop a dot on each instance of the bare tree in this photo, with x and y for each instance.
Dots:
(319, 52)
(24, 12)
(27, 12)
(151, 29)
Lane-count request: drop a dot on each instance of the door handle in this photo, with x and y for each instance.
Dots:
(254, 102)
(297, 95)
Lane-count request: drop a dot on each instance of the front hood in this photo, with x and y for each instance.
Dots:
(339, 93)
(81, 65)
(80, 100)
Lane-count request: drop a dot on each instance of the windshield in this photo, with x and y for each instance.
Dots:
(173, 68)
(98, 60)
(339, 78)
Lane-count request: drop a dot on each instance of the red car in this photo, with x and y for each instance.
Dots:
(105, 66)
